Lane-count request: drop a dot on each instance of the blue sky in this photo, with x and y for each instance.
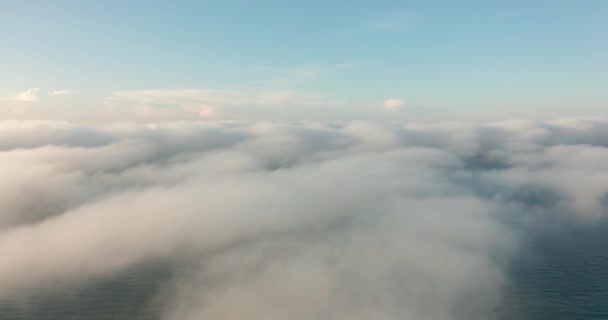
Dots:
(305, 59)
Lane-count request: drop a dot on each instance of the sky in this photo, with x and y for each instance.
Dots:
(283, 60)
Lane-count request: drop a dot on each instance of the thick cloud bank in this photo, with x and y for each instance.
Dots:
(348, 220)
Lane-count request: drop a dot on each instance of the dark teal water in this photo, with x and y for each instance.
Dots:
(130, 296)
(560, 274)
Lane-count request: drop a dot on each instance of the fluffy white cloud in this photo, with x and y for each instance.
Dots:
(29, 95)
(343, 220)
(394, 105)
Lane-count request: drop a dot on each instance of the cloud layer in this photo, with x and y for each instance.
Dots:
(306, 220)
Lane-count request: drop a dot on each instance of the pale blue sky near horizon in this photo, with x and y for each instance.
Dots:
(462, 56)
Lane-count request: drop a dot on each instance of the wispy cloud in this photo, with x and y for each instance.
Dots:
(224, 104)
(292, 76)
(252, 103)
(29, 95)
(393, 23)
(507, 16)
(218, 97)
(61, 92)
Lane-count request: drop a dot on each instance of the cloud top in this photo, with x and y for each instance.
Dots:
(306, 220)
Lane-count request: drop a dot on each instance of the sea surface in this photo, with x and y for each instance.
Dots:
(560, 274)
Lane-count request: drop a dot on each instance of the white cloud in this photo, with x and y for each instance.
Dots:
(207, 103)
(29, 95)
(394, 105)
(285, 77)
(61, 92)
(348, 220)
(171, 105)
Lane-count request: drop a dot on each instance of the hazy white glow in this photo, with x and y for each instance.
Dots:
(345, 220)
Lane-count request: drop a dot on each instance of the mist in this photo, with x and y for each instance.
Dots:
(293, 220)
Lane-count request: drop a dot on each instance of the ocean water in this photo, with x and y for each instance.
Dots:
(132, 295)
(560, 274)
